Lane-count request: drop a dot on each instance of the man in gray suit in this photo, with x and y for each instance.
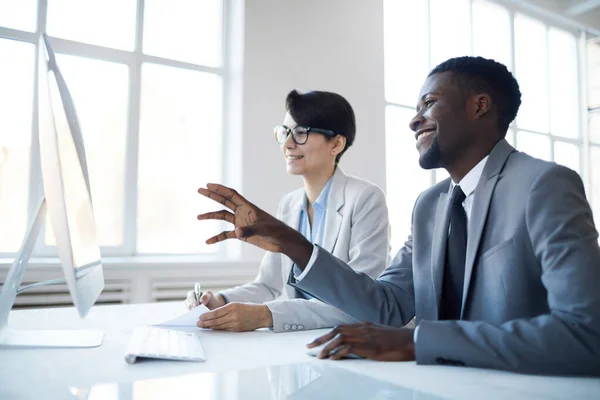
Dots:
(503, 264)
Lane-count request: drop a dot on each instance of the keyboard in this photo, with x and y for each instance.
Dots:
(151, 342)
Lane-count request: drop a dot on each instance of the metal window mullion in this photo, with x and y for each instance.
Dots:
(226, 9)
(133, 132)
(549, 88)
(471, 30)
(432, 179)
(14, 34)
(411, 108)
(582, 85)
(513, 63)
(179, 64)
(91, 51)
(560, 139)
(532, 131)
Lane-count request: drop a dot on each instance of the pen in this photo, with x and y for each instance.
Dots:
(197, 292)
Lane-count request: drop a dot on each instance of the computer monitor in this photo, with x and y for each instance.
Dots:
(67, 202)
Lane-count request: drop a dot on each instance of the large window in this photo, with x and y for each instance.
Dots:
(545, 58)
(147, 78)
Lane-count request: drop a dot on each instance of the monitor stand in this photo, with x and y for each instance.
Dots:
(10, 289)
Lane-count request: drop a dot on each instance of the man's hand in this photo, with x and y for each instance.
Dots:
(237, 317)
(255, 226)
(375, 342)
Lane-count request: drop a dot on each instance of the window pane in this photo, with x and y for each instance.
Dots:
(532, 73)
(18, 14)
(450, 29)
(510, 137)
(180, 150)
(567, 154)
(402, 159)
(108, 23)
(593, 56)
(16, 102)
(595, 127)
(564, 96)
(534, 144)
(595, 175)
(491, 32)
(101, 106)
(405, 35)
(185, 30)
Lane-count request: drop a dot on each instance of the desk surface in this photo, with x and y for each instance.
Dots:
(49, 373)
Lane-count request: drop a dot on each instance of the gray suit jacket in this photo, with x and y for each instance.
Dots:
(348, 233)
(531, 300)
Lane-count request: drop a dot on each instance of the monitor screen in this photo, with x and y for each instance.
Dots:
(77, 203)
(66, 183)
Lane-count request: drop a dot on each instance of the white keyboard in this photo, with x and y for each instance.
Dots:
(151, 342)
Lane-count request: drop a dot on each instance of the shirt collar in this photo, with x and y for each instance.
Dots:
(323, 198)
(469, 182)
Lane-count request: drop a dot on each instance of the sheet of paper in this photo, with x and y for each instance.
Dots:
(188, 319)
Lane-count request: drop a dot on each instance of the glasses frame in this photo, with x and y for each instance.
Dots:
(290, 131)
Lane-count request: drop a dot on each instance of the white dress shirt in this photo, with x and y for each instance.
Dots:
(468, 184)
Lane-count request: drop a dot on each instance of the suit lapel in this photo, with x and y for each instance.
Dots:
(481, 204)
(292, 218)
(438, 247)
(333, 219)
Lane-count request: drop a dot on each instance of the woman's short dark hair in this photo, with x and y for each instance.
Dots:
(324, 110)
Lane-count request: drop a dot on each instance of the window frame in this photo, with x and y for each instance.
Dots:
(548, 20)
(133, 60)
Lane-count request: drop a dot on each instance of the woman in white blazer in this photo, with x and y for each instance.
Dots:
(345, 215)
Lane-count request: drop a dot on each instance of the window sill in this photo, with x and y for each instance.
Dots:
(147, 263)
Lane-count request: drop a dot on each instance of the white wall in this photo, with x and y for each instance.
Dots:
(333, 45)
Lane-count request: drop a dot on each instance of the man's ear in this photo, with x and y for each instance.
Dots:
(340, 144)
(482, 105)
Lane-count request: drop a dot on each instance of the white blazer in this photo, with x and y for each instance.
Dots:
(356, 231)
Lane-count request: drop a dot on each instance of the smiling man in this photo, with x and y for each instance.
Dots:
(502, 266)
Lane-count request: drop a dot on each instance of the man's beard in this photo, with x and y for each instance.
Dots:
(432, 158)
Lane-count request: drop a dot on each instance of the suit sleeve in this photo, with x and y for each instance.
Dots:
(566, 340)
(368, 255)
(388, 299)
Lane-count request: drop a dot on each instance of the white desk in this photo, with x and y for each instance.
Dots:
(49, 373)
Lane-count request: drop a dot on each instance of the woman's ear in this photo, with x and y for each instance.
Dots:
(340, 144)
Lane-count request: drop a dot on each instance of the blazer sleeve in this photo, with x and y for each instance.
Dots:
(567, 339)
(387, 300)
(268, 284)
(352, 287)
(368, 254)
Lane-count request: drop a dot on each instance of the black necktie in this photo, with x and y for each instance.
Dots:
(454, 272)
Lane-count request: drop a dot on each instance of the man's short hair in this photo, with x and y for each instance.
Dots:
(478, 74)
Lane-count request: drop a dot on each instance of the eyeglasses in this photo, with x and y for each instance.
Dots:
(299, 133)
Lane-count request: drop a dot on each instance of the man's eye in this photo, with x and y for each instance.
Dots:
(428, 103)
